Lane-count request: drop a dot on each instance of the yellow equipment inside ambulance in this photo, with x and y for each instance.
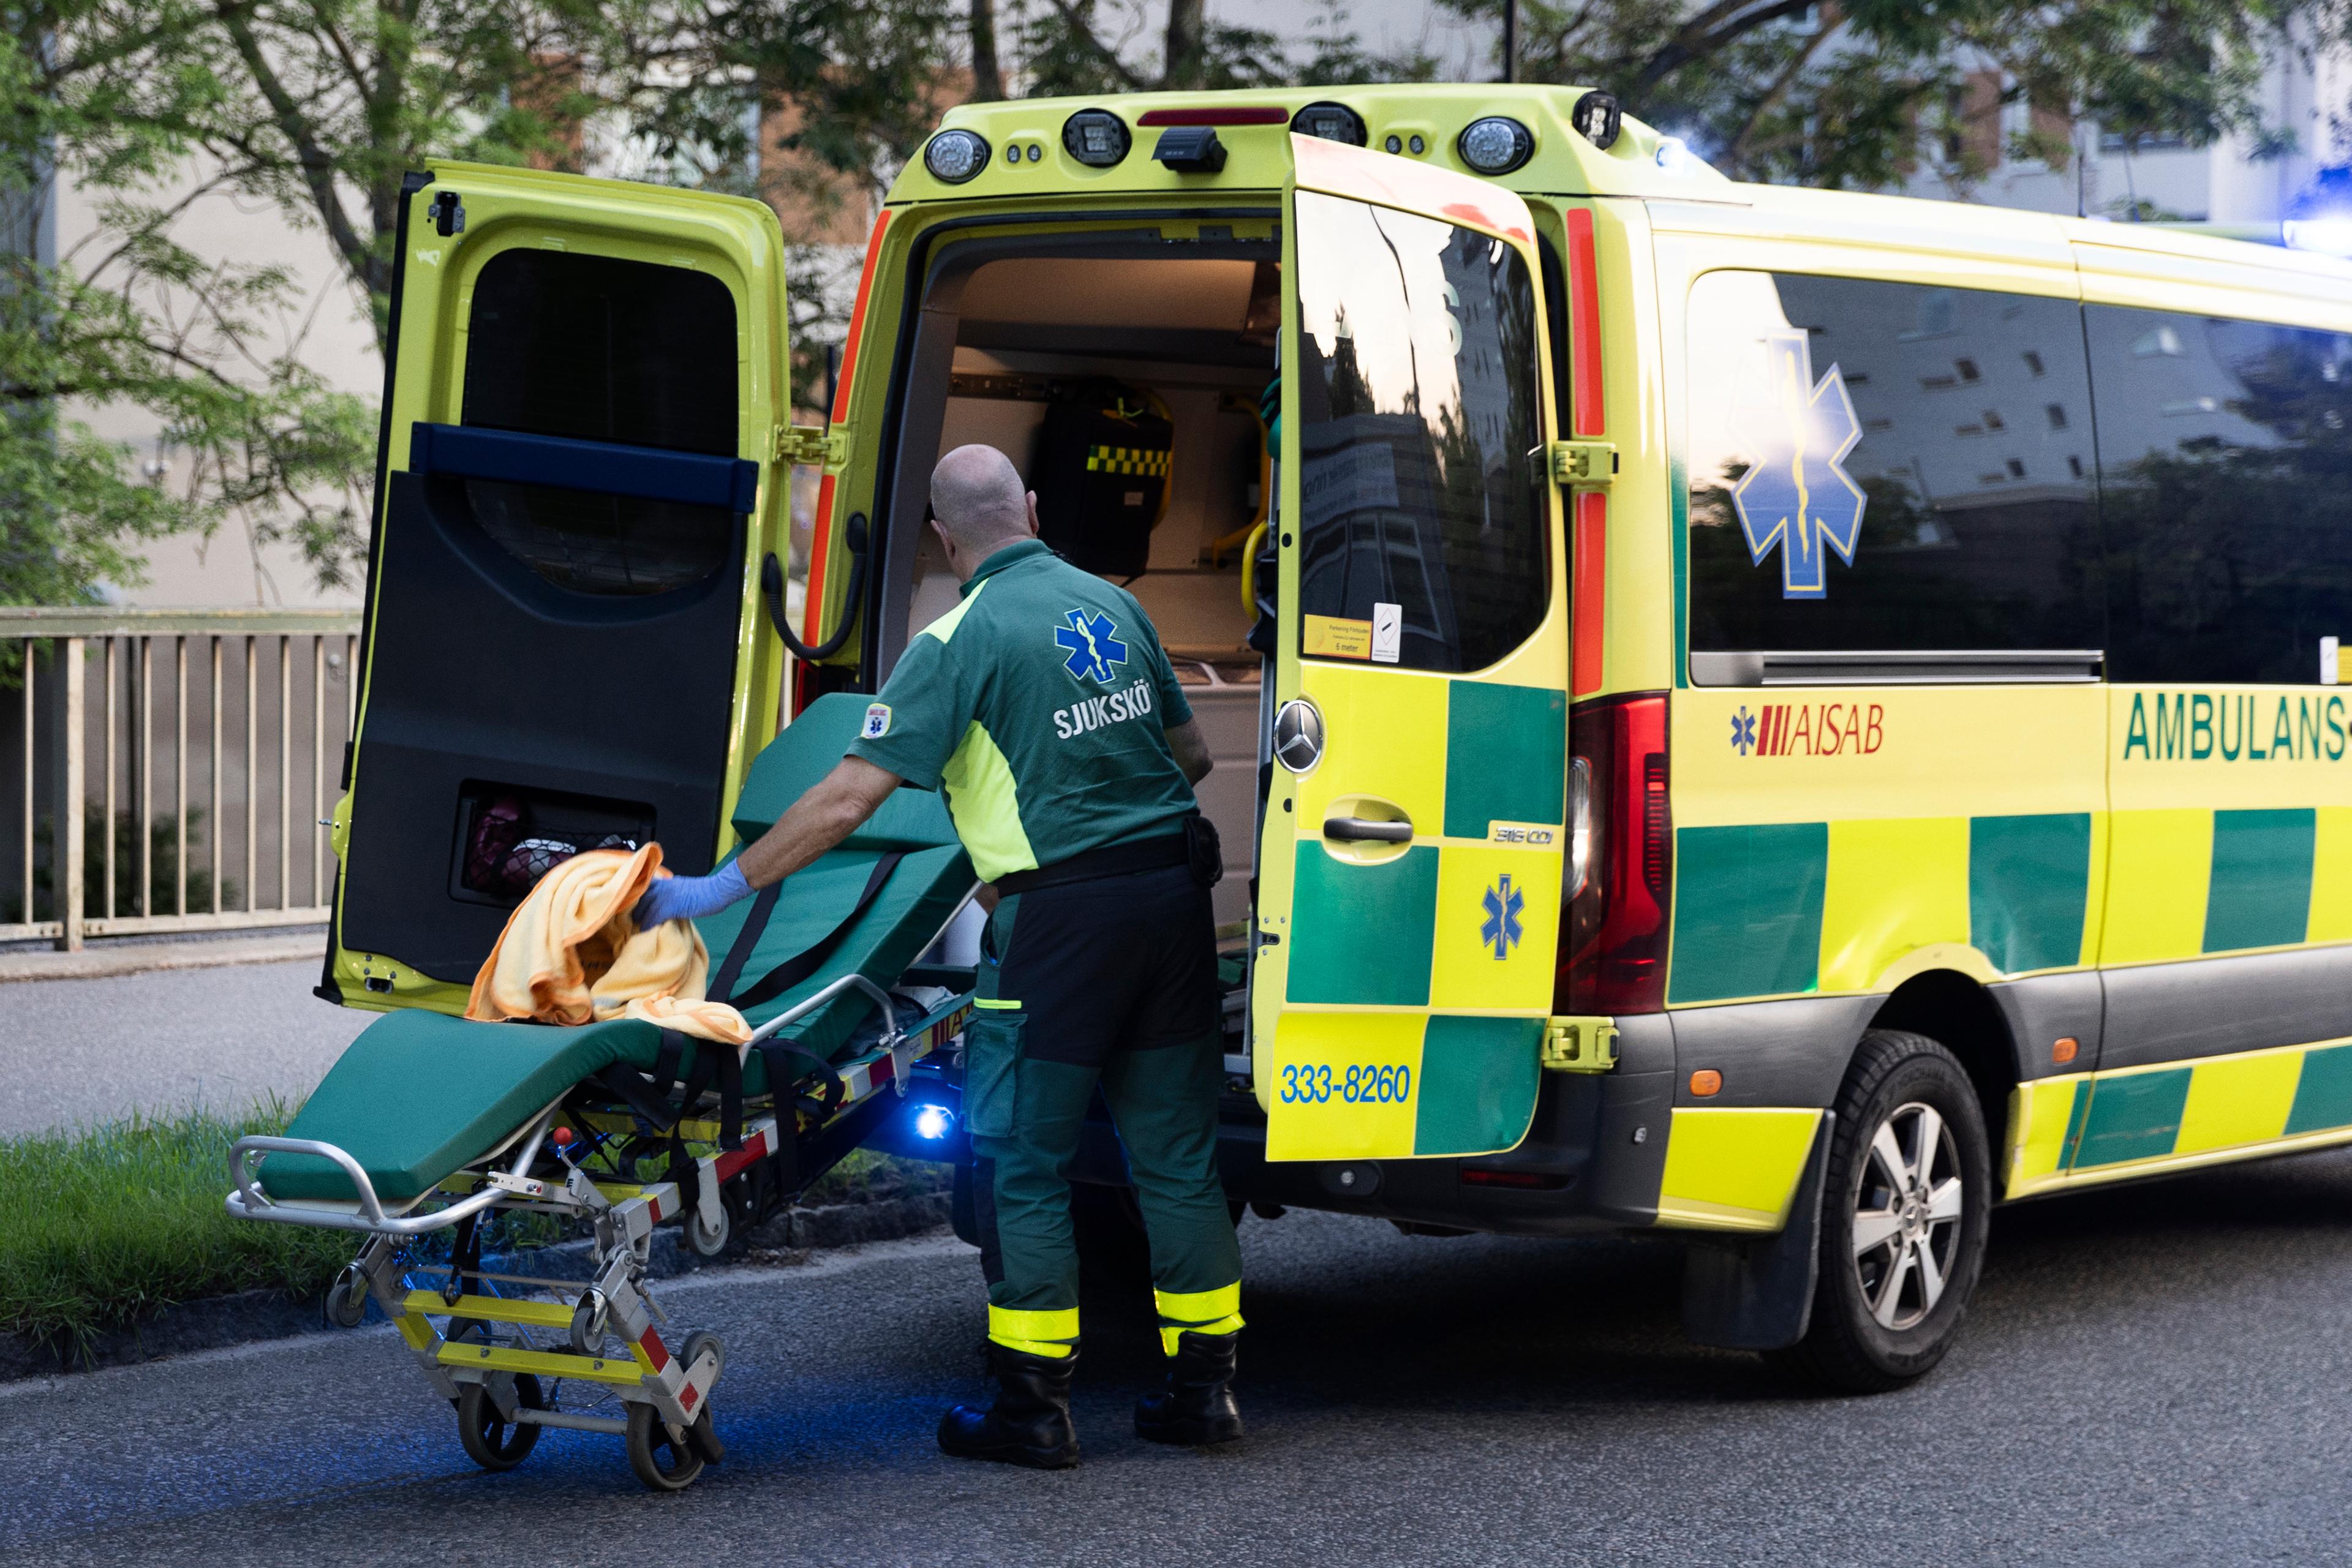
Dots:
(1783, 717)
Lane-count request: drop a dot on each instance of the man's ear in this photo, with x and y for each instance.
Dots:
(945, 542)
(1034, 529)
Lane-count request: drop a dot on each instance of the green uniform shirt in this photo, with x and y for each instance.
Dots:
(1042, 702)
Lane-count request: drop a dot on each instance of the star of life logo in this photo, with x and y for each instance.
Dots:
(1503, 903)
(1797, 496)
(1743, 731)
(1090, 638)
(877, 721)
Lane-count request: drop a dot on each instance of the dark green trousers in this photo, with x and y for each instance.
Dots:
(1109, 983)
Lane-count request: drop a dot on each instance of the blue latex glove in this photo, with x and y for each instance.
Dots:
(691, 898)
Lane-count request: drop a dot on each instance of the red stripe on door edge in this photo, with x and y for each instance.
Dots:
(1590, 564)
(1588, 412)
(814, 609)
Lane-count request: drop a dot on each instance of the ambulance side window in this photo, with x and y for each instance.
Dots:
(2225, 450)
(1422, 523)
(1888, 467)
(595, 348)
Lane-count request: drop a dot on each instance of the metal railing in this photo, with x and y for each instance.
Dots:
(159, 756)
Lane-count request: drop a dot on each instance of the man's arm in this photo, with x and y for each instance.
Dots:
(1191, 752)
(831, 810)
(828, 813)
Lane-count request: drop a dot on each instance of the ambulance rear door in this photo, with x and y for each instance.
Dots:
(576, 481)
(1412, 842)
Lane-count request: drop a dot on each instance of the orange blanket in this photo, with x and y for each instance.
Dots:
(571, 954)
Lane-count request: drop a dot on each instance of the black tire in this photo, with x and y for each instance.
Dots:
(1898, 1269)
(706, 1242)
(491, 1441)
(663, 1462)
(346, 1303)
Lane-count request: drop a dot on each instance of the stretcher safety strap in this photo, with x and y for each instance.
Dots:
(1051, 1333)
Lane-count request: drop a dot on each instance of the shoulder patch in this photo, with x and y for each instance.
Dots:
(878, 723)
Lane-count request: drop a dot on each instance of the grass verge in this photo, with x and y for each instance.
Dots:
(109, 1225)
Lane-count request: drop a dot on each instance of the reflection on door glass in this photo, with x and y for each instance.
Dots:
(1422, 517)
(2225, 456)
(1887, 467)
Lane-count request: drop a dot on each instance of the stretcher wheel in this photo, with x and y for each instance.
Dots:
(697, 1343)
(490, 1441)
(347, 1300)
(664, 1463)
(709, 1242)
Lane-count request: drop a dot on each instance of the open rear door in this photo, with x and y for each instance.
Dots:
(578, 473)
(1409, 882)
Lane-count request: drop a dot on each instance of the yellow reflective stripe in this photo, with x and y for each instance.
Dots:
(996, 1004)
(1169, 1338)
(1007, 1324)
(945, 626)
(1189, 1307)
(1046, 1348)
(985, 802)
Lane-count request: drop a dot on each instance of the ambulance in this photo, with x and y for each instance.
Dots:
(1778, 718)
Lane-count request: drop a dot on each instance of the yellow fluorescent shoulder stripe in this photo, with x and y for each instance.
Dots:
(945, 626)
(985, 803)
(1734, 1169)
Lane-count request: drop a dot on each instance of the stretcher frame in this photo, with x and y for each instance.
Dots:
(653, 1382)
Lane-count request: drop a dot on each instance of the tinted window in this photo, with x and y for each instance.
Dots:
(596, 349)
(1419, 496)
(2223, 461)
(1938, 443)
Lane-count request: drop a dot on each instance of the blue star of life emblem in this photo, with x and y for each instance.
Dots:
(1743, 731)
(1503, 903)
(1797, 496)
(1092, 642)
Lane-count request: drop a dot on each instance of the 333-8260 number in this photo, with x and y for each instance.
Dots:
(1356, 1086)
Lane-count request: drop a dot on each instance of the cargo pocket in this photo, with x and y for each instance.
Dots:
(992, 1067)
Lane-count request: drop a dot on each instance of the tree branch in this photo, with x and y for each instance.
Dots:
(318, 166)
(1711, 32)
(1096, 47)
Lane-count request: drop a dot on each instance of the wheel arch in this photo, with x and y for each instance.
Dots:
(1959, 1013)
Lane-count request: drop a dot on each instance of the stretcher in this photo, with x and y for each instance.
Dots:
(429, 1126)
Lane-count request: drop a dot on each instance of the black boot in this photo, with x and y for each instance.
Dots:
(1030, 1422)
(1197, 1406)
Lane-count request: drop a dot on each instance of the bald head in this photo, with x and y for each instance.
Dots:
(979, 501)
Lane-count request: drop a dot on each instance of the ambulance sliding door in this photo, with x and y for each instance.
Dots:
(1410, 883)
(578, 441)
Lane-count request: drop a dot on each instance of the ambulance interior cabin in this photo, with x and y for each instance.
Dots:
(1124, 384)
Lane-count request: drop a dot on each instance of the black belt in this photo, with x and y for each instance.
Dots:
(1110, 860)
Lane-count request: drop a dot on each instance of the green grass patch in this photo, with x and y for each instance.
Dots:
(866, 1176)
(109, 1225)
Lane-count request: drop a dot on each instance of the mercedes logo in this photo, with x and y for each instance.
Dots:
(1299, 736)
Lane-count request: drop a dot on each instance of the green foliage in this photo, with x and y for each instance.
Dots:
(1867, 93)
(164, 861)
(1089, 46)
(117, 1222)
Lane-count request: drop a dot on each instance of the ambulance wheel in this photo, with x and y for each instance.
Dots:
(708, 1241)
(1904, 1215)
(492, 1441)
(664, 1462)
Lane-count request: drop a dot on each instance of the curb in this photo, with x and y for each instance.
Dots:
(142, 957)
(254, 1315)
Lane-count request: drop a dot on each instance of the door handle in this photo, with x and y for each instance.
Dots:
(1367, 830)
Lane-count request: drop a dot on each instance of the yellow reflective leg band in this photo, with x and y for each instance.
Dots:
(1052, 1333)
(995, 1004)
(1217, 1311)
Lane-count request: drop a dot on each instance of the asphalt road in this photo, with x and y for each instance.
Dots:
(75, 1052)
(2150, 1376)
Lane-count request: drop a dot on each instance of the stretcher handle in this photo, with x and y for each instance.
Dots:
(250, 1201)
(801, 1009)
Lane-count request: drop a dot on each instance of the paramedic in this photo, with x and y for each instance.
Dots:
(1045, 706)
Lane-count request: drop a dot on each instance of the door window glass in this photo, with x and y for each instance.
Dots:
(2225, 454)
(1422, 515)
(596, 349)
(1887, 467)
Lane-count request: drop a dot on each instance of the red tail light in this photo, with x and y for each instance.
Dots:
(1613, 935)
(1226, 115)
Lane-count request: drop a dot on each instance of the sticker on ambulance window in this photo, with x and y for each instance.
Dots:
(1388, 632)
(878, 723)
(1333, 637)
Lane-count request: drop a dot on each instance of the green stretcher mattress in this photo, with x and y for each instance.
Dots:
(420, 1095)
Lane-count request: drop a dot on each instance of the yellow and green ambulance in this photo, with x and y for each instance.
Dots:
(1782, 716)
